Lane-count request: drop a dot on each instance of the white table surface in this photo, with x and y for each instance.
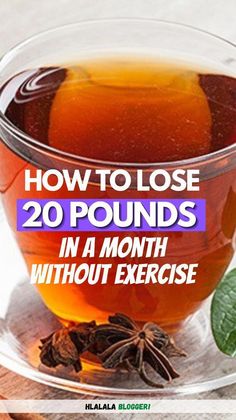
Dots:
(22, 18)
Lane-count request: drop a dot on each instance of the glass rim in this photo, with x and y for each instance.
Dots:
(44, 148)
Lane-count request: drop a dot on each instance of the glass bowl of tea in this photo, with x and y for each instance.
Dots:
(131, 95)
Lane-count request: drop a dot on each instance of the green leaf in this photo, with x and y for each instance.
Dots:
(223, 314)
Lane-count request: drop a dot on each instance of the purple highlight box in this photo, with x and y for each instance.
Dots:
(85, 225)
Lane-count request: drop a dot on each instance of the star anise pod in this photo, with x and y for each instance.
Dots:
(65, 345)
(121, 343)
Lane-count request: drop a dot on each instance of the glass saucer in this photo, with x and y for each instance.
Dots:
(24, 319)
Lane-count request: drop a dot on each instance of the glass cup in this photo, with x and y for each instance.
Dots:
(212, 249)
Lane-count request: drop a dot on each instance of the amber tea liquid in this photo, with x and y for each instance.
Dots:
(129, 111)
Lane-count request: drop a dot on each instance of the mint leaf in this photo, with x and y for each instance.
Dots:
(223, 314)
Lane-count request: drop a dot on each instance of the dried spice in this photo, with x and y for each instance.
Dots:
(66, 345)
(120, 343)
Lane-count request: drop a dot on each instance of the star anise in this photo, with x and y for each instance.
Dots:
(121, 343)
(65, 345)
